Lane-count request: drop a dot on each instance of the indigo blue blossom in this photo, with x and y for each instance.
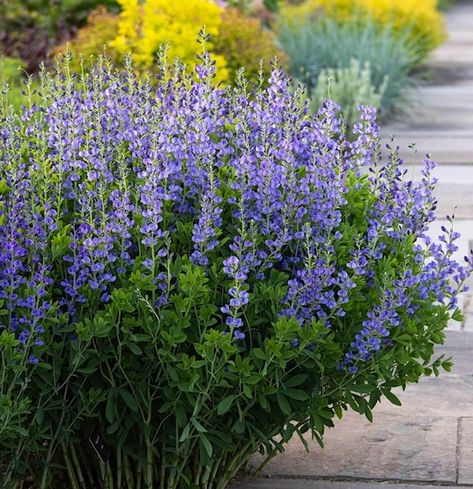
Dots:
(116, 182)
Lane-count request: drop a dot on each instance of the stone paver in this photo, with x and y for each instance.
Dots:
(270, 483)
(465, 452)
(400, 447)
(445, 150)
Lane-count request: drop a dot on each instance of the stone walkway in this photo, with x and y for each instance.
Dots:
(428, 442)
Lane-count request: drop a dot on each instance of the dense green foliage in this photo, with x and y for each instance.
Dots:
(190, 275)
(29, 29)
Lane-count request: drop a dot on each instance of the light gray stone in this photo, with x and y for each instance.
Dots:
(270, 483)
(468, 321)
(455, 199)
(396, 447)
(468, 311)
(448, 395)
(444, 150)
(465, 452)
(458, 54)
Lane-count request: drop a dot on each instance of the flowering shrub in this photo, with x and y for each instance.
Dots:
(419, 17)
(144, 27)
(190, 274)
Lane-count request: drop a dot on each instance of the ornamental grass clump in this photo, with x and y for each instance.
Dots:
(190, 275)
(315, 44)
(349, 87)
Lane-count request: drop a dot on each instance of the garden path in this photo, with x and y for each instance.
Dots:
(428, 442)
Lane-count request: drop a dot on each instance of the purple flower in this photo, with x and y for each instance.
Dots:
(116, 183)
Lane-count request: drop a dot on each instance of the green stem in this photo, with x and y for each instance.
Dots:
(119, 468)
(69, 467)
(197, 474)
(75, 460)
(102, 473)
(51, 448)
(205, 478)
(109, 476)
(128, 476)
(265, 462)
(149, 465)
(238, 461)
(86, 464)
(139, 473)
(217, 466)
(163, 467)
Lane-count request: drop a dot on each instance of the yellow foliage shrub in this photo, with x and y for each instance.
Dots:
(244, 42)
(421, 19)
(144, 26)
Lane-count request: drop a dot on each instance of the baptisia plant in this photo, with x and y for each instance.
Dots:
(190, 275)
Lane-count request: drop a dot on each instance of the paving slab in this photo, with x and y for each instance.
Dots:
(456, 53)
(468, 314)
(271, 483)
(449, 395)
(465, 453)
(396, 447)
(445, 150)
(459, 346)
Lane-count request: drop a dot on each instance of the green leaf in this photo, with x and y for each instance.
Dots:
(259, 353)
(87, 370)
(39, 417)
(181, 416)
(318, 422)
(114, 426)
(207, 445)
(225, 404)
(84, 331)
(362, 388)
(457, 315)
(338, 411)
(110, 406)
(253, 379)
(101, 327)
(403, 339)
(296, 380)
(297, 394)
(134, 348)
(392, 397)
(283, 404)
(8, 339)
(185, 433)
(198, 426)
(130, 401)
